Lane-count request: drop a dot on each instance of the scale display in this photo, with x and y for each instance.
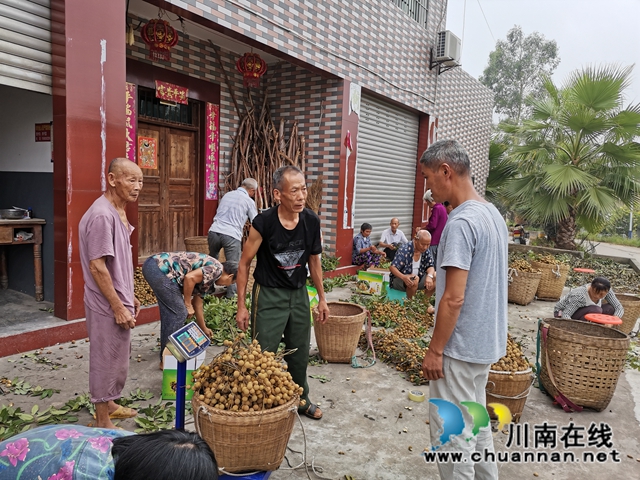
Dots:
(188, 342)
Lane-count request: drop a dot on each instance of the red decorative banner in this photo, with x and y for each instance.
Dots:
(171, 92)
(147, 152)
(212, 140)
(130, 121)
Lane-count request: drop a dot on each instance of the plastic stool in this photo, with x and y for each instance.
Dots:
(399, 295)
(602, 319)
(584, 272)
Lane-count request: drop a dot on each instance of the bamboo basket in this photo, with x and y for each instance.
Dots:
(552, 281)
(201, 245)
(631, 305)
(246, 441)
(586, 360)
(510, 389)
(523, 286)
(338, 337)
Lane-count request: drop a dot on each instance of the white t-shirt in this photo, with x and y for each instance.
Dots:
(389, 238)
(416, 267)
(476, 239)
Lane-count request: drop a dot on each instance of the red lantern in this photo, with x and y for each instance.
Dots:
(160, 36)
(252, 67)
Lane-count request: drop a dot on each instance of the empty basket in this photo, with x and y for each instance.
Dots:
(338, 337)
(631, 305)
(586, 360)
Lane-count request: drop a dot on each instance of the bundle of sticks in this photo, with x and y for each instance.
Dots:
(259, 149)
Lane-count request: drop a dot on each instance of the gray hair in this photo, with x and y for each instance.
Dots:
(250, 183)
(278, 175)
(450, 152)
(423, 235)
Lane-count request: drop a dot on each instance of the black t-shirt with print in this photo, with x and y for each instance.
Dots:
(283, 254)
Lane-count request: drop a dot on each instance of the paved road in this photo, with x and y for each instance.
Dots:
(618, 251)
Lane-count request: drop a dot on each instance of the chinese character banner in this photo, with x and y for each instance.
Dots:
(171, 92)
(130, 121)
(212, 127)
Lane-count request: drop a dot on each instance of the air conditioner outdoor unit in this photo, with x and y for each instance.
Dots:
(448, 49)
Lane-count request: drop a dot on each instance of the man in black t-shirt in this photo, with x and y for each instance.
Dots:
(285, 238)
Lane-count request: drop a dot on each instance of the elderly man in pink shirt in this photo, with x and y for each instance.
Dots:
(110, 305)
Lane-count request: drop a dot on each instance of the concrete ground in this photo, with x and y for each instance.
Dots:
(370, 429)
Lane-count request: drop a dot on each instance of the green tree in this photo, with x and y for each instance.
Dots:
(500, 170)
(515, 71)
(577, 154)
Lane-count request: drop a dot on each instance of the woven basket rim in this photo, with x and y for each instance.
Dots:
(549, 265)
(249, 414)
(347, 303)
(526, 274)
(617, 336)
(521, 372)
(628, 297)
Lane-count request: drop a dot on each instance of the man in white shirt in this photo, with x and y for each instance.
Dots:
(234, 209)
(392, 238)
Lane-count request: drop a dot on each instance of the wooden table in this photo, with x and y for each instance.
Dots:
(8, 231)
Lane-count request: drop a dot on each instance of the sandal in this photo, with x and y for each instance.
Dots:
(311, 412)
(122, 413)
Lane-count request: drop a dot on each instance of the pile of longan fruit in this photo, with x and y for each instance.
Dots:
(243, 378)
(142, 290)
(514, 360)
(523, 266)
(548, 259)
(404, 353)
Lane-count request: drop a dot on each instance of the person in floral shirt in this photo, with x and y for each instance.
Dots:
(364, 253)
(179, 280)
(75, 452)
(412, 268)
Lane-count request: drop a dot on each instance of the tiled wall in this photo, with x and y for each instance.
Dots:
(373, 42)
(315, 102)
(464, 113)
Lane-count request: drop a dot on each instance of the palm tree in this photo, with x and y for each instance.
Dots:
(578, 154)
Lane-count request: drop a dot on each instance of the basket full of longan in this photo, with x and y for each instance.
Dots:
(510, 380)
(523, 282)
(554, 276)
(244, 407)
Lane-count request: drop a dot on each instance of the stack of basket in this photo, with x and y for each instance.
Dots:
(552, 281)
(631, 305)
(585, 360)
(338, 337)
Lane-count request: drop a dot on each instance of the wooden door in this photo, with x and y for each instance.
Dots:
(168, 203)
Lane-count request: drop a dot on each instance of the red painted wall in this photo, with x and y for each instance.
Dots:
(344, 236)
(87, 55)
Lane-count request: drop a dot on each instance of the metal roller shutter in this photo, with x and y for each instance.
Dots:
(386, 166)
(25, 44)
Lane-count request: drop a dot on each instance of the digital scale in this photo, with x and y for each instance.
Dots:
(186, 343)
